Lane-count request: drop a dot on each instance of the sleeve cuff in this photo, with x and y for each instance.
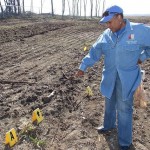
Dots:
(143, 57)
(83, 67)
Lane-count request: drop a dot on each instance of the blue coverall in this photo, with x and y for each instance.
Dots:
(121, 74)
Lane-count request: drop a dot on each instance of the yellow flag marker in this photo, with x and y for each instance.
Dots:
(89, 91)
(85, 48)
(37, 115)
(11, 137)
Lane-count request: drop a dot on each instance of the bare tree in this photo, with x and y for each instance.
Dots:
(52, 8)
(73, 7)
(91, 8)
(85, 5)
(12, 7)
(23, 9)
(1, 7)
(97, 8)
(103, 6)
(80, 6)
(63, 7)
(69, 7)
(8, 6)
(77, 7)
(41, 6)
(31, 7)
(2, 11)
(18, 7)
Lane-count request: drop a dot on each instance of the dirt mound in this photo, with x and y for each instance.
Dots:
(18, 31)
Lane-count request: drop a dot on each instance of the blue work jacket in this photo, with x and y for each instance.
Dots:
(121, 54)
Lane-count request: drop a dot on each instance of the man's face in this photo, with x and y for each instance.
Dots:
(115, 23)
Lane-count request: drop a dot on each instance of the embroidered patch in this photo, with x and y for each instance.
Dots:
(131, 37)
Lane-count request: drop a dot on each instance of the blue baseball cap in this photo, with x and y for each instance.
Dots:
(110, 12)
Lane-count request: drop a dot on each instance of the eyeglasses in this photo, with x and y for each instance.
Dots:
(107, 13)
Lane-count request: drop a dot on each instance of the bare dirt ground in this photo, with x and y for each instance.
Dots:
(38, 58)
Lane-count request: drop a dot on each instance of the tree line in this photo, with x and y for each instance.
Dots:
(75, 8)
(11, 7)
(79, 7)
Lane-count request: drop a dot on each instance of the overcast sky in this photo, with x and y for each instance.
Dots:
(129, 6)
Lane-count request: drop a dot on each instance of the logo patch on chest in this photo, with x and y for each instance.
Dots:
(131, 39)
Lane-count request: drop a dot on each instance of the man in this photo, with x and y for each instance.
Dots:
(124, 45)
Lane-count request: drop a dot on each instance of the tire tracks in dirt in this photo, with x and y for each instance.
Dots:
(50, 46)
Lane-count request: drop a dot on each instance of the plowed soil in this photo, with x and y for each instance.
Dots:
(38, 58)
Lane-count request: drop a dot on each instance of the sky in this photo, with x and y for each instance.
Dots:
(130, 7)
